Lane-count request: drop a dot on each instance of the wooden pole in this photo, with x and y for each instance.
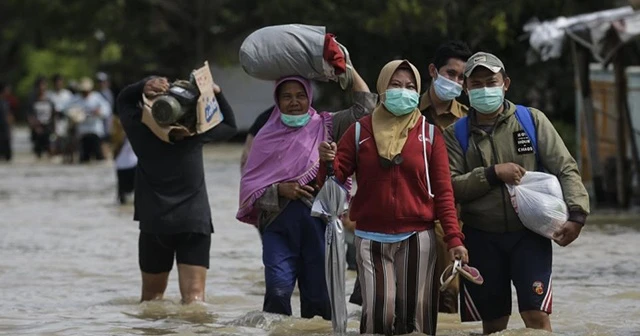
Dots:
(581, 69)
(624, 129)
(631, 133)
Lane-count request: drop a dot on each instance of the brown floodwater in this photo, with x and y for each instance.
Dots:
(68, 264)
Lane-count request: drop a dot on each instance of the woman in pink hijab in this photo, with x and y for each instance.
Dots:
(278, 186)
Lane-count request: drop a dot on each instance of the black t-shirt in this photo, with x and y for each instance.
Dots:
(260, 121)
(42, 109)
(170, 190)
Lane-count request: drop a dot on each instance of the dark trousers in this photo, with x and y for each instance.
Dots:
(90, 146)
(40, 142)
(293, 248)
(5, 147)
(126, 182)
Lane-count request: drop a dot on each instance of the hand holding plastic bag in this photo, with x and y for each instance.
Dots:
(539, 203)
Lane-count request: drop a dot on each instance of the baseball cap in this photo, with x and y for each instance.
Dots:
(85, 85)
(483, 59)
(101, 76)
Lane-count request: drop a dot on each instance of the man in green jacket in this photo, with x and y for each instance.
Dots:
(498, 152)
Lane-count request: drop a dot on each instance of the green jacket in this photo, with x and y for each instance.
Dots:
(484, 199)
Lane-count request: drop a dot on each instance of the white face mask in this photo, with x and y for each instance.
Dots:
(487, 100)
(446, 89)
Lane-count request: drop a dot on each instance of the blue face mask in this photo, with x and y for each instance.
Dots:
(446, 89)
(295, 121)
(486, 100)
(401, 101)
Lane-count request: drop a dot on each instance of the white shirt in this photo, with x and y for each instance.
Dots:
(93, 124)
(60, 99)
(126, 158)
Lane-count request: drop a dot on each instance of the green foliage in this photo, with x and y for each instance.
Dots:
(134, 38)
(111, 53)
(48, 62)
(499, 23)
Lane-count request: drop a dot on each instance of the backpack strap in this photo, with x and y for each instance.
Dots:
(461, 131)
(357, 136)
(523, 114)
(424, 153)
(526, 121)
(431, 131)
(358, 127)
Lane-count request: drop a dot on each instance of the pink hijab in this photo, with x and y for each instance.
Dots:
(282, 154)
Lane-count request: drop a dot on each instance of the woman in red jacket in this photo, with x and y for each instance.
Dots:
(404, 185)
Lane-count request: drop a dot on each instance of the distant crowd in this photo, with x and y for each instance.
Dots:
(70, 122)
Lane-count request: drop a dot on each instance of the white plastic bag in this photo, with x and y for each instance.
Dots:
(539, 203)
(273, 52)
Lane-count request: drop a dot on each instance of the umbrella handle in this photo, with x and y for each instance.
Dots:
(330, 171)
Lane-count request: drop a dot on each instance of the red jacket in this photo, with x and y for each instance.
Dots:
(396, 199)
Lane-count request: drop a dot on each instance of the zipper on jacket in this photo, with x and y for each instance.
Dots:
(495, 159)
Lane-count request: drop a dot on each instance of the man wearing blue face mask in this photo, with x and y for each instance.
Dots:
(496, 145)
(439, 105)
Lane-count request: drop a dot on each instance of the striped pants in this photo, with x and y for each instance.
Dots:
(398, 290)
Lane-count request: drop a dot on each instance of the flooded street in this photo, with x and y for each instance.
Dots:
(68, 264)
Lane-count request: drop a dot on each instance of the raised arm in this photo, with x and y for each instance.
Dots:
(128, 103)
(363, 103)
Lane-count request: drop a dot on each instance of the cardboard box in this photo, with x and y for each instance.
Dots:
(207, 109)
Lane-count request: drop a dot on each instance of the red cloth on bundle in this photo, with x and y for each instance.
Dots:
(334, 55)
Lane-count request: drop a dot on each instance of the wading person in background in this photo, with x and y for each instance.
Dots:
(5, 129)
(59, 96)
(171, 201)
(277, 190)
(498, 151)
(103, 83)
(125, 161)
(439, 105)
(404, 186)
(253, 131)
(41, 118)
(91, 130)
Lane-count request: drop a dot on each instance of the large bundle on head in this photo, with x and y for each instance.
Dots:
(278, 51)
